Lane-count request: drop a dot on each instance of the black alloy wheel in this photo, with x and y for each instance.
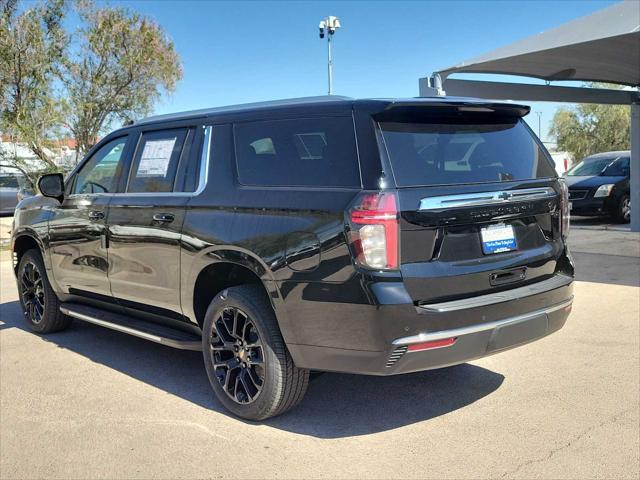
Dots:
(39, 302)
(247, 361)
(237, 355)
(32, 292)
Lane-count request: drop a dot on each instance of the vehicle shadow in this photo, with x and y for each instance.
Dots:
(592, 221)
(336, 405)
(607, 269)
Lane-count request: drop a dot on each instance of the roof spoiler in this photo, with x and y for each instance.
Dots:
(438, 106)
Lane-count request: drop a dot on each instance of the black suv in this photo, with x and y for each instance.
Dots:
(328, 234)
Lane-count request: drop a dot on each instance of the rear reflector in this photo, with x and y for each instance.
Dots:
(445, 342)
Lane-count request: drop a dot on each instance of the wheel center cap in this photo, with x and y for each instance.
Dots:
(242, 355)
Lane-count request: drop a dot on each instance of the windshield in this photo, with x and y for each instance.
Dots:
(443, 151)
(593, 166)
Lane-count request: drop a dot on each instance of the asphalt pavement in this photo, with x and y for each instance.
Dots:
(93, 403)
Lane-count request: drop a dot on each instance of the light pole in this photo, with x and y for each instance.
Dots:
(539, 130)
(330, 24)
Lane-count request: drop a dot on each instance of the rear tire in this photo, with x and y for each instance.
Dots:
(247, 362)
(39, 302)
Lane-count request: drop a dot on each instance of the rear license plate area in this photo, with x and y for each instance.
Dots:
(498, 238)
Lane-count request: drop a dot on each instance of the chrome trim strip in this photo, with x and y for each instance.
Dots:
(480, 327)
(204, 160)
(485, 198)
(132, 331)
(552, 283)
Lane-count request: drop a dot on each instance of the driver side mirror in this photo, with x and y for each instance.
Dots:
(52, 185)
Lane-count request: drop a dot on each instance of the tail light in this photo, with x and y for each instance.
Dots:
(374, 230)
(564, 209)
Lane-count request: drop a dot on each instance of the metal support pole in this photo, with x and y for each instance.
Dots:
(330, 63)
(539, 121)
(635, 167)
(328, 27)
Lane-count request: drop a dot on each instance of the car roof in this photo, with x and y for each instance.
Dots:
(333, 102)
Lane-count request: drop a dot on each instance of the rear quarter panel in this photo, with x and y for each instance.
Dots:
(291, 238)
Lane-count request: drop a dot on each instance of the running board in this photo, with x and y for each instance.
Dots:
(153, 332)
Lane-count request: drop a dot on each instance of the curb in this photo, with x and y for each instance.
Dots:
(612, 228)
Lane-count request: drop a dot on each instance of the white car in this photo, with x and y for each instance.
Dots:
(562, 161)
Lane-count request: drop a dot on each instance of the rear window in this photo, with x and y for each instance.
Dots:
(450, 152)
(312, 152)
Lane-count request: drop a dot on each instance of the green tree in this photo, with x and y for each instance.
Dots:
(591, 128)
(124, 63)
(32, 45)
(54, 82)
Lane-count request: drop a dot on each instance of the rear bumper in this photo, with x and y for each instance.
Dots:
(491, 325)
(479, 340)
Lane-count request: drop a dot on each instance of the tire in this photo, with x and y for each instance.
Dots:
(39, 302)
(623, 211)
(313, 374)
(247, 362)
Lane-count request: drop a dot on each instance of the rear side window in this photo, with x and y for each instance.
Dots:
(156, 161)
(311, 152)
(442, 151)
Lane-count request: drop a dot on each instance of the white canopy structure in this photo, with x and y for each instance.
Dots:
(601, 47)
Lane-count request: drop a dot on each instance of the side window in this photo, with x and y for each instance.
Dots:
(102, 171)
(194, 163)
(625, 166)
(315, 152)
(156, 161)
(619, 168)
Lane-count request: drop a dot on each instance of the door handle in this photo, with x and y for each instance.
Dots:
(508, 276)
(163, 217)
(96, 215)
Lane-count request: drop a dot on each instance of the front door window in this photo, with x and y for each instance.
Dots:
(103, 170)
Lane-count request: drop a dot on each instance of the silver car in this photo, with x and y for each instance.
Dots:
(10, 185)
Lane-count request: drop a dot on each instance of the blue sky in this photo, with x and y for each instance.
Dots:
(244, 51)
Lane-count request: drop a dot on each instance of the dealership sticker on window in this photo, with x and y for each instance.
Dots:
(155, 158)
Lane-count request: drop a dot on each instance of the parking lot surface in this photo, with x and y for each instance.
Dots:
(93, 403)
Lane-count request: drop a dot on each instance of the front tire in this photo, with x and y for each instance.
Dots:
(623, 212)
(247, 362)
(39, 302)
